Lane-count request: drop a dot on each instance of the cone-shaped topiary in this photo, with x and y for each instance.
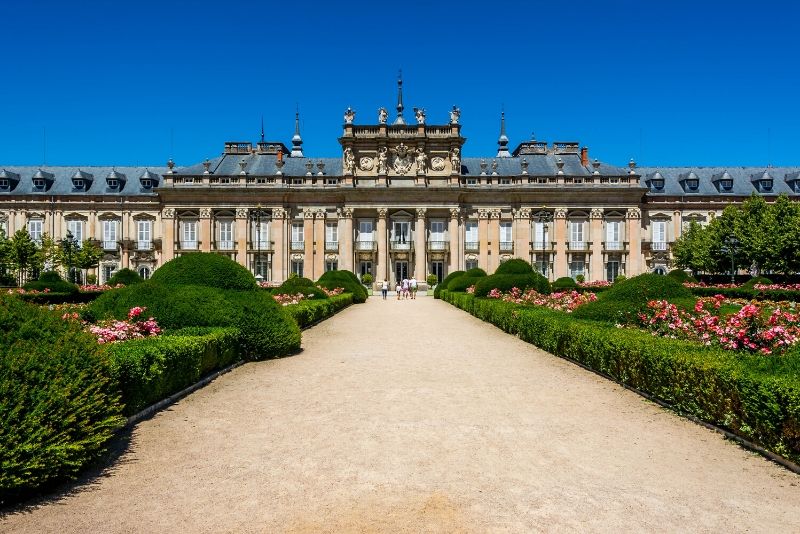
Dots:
(204, 269)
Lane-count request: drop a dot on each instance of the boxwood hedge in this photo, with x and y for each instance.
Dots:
(298, 284)
(346, 280)
(504, 282)
(58, 408)
(754, 397)
(308, 312)
(443, 284)
(52, 282)
(514, 266)
(204, 269)
(125, 277)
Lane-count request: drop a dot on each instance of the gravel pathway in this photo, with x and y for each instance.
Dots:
(414, 416)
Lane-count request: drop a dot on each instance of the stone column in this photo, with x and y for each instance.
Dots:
(308, 243)
(58, 231)
(277, 231)
(205, 230)
(560, 267)
(240, 232)
(596, 235)
(346, 239)
(168, 233)
(522, 234)
(483, 239)
(420, 251)
(91, 226)
(319, 244)
(494, 239)
(633, 232)
(382, 267)
(456, 252)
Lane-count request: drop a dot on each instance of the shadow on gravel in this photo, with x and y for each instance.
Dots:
(104, 467)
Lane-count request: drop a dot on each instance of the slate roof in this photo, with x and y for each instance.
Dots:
(743, 184)
(96, 185)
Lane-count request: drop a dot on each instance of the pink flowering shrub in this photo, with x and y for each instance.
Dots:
(703, 284)
(750, 329)
(21, 291)
(471, 290)
(597, 283)
(96, 287)
(285, 300)
(332, 292)
(112, 331)
(778, 287)
(566, 301)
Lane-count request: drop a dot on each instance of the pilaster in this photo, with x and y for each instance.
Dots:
(346, 238)
(596, 235)
(240, 232)
(205, 230)
(381, 269)
(455, 235)
(420, 252)
(483, 239)
(277, 230)
(168, 231)
(494, 241)
(308, 243)
(522, 233)
(319, 244)
(560, 267)
(634, 234)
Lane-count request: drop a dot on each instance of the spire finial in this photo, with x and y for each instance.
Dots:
(502, 141)
(262, 128)
(297, 141)
(399, 119)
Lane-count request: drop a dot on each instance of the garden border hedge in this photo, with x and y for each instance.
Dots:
(713, 385)
(750, 294)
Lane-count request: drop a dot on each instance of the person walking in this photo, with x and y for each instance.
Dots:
(398, 290)
(384, 288)
(413, 286)
(405, 288)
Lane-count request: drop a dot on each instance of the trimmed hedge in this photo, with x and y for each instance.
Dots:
(514, 266)
(776, 295)
(621, 302)
(266, 331)
(80, 297)
(443, 284)
(469, 278)
(51, 281)
(680, 276)
(125, 277)
(204, 269)
(58, 408)
(565, 282)
(307, 312)
(754, 397)
(504, 282)
(751, 284)
(148, 370)
(298, 284)
(346, 280)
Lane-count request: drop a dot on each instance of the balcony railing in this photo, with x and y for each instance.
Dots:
(506, 246)
(614, 245)
(188, 245)
(438, 246)
(226, 245)
(297, 245)
(658, 245)
(144, 244)
(578, 245)
(110, 245)
(400, 244)
(471, 246)
(331, 246)
(365, 245)
(542, 245)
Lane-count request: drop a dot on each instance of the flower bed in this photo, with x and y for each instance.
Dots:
(296, 298)
(565, 301)
(114, 331)
(755, 397)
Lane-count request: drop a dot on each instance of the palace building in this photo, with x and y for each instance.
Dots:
(401, 201)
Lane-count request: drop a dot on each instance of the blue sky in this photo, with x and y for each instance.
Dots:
(667, 83)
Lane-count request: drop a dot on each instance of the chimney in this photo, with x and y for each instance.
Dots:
(585, 156)
(280, 155)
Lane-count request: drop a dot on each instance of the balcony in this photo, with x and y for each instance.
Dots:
(144, 245)
(110, 245)
(614, 245)
(188, 245)
(400, 245)
(577, 245)
(471, 246)
(297, 245)
(262, 246)
(438, 246)
(542, 245)
(506, 246)
(331, 246)
(365, 246)
(225, 245)
(658, 245)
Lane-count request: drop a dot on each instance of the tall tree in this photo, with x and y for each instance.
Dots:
(88, 256)
(21, 254)
(48, 257)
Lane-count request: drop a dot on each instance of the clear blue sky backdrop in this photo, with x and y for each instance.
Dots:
(667, 83)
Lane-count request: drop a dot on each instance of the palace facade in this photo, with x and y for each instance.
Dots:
(401, 201)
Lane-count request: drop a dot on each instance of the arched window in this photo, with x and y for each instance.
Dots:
(144, 272)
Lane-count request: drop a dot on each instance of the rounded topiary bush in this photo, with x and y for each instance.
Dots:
(469, 278)
(346, 280)
(750, 284)
(565, 282)
(681, 276)
(266, 330)
(293, 286)
(125, 277)
(514, 266)
(475, 272)
(444, 283)
(52, 282)
(204, 269)
(624, 300)
(505, 282)
(59, 406)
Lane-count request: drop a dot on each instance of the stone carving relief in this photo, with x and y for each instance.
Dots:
(382, 115)
(205, 213)
(345, 213)
(422, 161)
(383, 212)
(437, 163)
(483, 213)
(596, 214)
(455, 160)
(634, 213)
(454, 213)
(168, 213)
(366, 163)
(494, 214)
(319, 214)
(455, 115)
(241, 213)
(349, 161)
(308, 213)
(402, 159)
(349, 116)
(278, 213)
(522, 213)
(421, 213)
(560, 213)
(383, 160)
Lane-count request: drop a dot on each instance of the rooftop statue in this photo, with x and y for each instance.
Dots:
(419, 113)
(349, 116)
(382, 115)
(455, 115)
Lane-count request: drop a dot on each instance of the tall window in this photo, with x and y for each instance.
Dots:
(471, 235)
(506, 239)
(613, 235)
(262, 266)
(331, 265)
(144, 272)
(612, 270)
(365, 235)
(437, 268)
(226, 235)
(659, 235)
(75, 227)
(332, 233)
(470, 264)
(189, 235)
(260, 238)
(297, 267)
(539, 235)
(35, 230)
(110, 234)
(144, 235)
(437, 238)
(576, 235)
(298, 237)
(576, 267)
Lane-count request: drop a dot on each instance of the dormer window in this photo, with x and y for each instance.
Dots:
(4, 184)
(766, 185)
(655, 181)
(113, 184)
(147, 184)
(78, 184)
(727, 185)
(692, 184)
(658, 184)
(38, 183)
